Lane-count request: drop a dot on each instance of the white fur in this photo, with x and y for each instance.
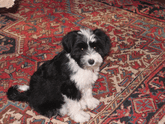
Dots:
(88, 100)
(84, 78)
(88, 34)
(74, 110)
(23, 87)
(64, 110)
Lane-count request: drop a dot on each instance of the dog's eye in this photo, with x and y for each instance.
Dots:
(94, 47)
(82, 49)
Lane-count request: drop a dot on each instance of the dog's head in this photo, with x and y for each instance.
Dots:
(87, 47)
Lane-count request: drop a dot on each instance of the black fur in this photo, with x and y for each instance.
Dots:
(14, 94)
(52, 79)
(46, 85)
(103, 47)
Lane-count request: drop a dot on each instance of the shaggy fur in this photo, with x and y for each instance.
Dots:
(63, 85)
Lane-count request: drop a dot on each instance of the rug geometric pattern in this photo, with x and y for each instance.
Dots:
(131, 85)
(149, 8)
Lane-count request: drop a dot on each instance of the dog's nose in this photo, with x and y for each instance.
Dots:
(91, 61)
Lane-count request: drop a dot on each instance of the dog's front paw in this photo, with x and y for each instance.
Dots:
(92, 103)
(81, 117)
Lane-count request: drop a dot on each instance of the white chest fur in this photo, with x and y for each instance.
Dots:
(82, 77)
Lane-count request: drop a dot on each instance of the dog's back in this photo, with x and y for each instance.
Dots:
(44, 93)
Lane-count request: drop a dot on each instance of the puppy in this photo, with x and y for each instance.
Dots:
(63, 85)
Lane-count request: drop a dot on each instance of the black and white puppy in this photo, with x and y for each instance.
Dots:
(63, 85)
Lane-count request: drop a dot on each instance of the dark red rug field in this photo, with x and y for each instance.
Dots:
(131, 84)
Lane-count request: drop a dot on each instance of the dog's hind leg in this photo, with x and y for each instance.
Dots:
(48, 109)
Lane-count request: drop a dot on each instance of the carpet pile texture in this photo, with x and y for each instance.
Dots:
(131, 84)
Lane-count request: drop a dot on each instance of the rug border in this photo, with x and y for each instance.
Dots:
(19, 38)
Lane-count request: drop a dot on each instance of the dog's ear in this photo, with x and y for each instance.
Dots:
(105, 40)
(69, 40)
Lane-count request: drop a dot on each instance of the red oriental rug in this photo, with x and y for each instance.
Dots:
(131, 84)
